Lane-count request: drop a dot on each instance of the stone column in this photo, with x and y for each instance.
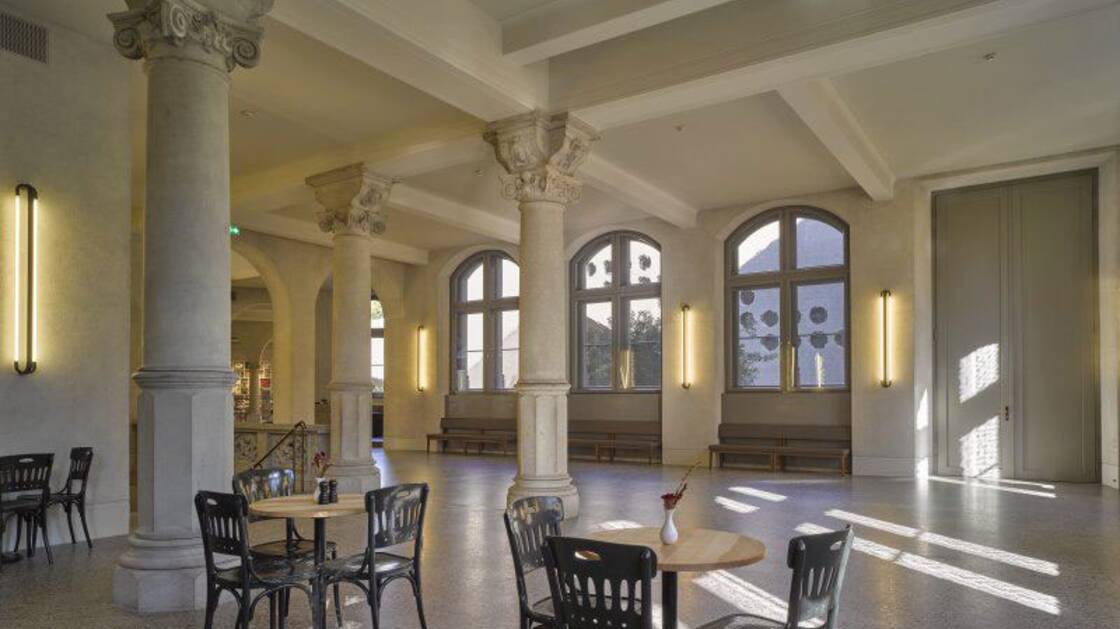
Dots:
(541, 154)
(185, 431)
(254, 414)
(351, 197)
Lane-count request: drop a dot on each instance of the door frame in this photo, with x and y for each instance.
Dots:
(1011, 462)
(1106, 163)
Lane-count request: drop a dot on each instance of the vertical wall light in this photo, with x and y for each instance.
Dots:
(421, 354)
(25, 297)
(885, 305)
(686, 346)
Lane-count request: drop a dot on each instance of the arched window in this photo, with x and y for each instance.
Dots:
(787, 296)
(485, 323)
(377, 345)
(617, 277)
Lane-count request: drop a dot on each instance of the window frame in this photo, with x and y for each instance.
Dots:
(378, 333)
(619, 293)
(786, 278)
(490, 306)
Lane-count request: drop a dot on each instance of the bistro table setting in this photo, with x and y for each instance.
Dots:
(695, 550)
(306, 506)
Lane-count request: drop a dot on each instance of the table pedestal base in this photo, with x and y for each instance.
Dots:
(668, 600)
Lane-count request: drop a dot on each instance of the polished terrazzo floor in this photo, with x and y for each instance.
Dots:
(931, 553)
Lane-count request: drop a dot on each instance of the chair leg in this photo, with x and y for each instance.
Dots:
(337, 597)
(373, 597)
(32, 535)
(245, 611)
(285, 597)
(46, 541)
(82, 517)
(272, 611)
(19, 532)
(415, 581)
(212, 595)
(70, 521)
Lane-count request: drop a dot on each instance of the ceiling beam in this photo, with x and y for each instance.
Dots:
(636, 192)
(450, 49)
(452, 213)
(559, 27)
(826, 114)
(880, 48)
(309, 232)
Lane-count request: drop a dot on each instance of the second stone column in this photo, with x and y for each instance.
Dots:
(351, 197)
(541, 153)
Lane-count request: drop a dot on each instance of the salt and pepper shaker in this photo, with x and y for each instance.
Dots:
(324, 492)
(333, 491)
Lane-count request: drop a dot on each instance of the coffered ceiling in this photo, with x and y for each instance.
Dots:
(701, 103)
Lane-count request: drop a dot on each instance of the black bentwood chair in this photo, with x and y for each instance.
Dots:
(223, 521)
(395, 516)
(818, 563)
(69, 498)
(599, 585)
(29, 477)
(261, 484)
(529, 521)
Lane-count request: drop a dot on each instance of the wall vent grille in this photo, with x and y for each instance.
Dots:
(24, 38)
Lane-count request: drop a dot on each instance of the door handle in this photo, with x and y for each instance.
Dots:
(1007, 413)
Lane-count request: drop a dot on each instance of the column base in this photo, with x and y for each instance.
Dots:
(356, 478)
(157, 575)
(562, 487)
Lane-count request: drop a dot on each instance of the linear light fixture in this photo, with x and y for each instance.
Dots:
(25, 292)
(885, 303)
(421, 352)
(686, 346)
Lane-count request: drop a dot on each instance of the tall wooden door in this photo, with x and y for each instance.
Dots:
(1016, 330)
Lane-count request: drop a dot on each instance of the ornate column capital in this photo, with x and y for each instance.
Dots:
(351, 197)
(541, 153)
(227, 30)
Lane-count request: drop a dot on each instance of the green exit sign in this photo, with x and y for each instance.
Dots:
(234, 230)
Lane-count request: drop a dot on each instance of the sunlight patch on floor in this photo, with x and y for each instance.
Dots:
(758, 493)
(987, 552)
(744, 596)
(734, 505)
(615, 525)
(953, 574)
(988, 485)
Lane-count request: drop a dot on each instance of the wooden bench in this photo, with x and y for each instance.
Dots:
(475, 431)
(610, 437)
(779, 442)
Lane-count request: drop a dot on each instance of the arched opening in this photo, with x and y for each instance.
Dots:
(252, 327)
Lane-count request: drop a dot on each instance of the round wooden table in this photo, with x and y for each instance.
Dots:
(696, 550)
(304, 506)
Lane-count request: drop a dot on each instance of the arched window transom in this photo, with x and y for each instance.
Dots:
(787, 297)
(485, 323)
(617, 277)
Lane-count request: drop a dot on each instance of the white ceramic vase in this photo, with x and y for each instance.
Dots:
(669, 529)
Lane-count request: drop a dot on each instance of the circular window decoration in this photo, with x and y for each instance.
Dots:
(818, 340)
(746, 297)
(591, 269)
(607, 267)
(643, 280)
(818, 314)
(770, 342)
(838, 338)
(747, 321)
(644, 262)
(770, 318)
(797, 316)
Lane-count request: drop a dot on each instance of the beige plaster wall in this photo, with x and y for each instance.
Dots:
(66, 131)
